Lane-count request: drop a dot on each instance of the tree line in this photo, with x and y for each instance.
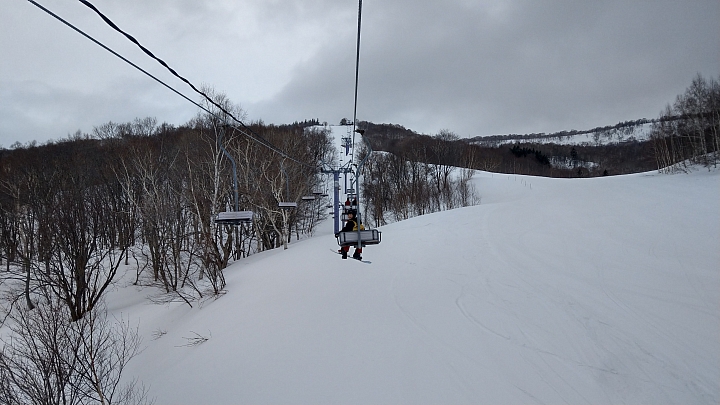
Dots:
(397, 186)
(527, 158)
(563, 134)
(71, 212)
(688, 131)
(142, 195)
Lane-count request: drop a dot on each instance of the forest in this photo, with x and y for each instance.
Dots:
(72, 211)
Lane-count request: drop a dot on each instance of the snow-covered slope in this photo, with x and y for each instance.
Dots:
(582, 291)
(597, 137)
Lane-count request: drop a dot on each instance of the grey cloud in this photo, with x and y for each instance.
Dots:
(534, 66)
(41, 112)
(471, 66)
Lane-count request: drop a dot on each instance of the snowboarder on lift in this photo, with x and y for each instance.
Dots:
(350, 226)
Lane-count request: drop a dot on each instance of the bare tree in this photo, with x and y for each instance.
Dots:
(688, 130)
(49, 360)
(212, 170)
(28, 186)
(85, 253)
(400, 187)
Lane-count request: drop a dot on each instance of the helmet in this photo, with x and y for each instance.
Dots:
(352, 212)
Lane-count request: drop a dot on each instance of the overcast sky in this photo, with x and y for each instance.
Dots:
(474, 67)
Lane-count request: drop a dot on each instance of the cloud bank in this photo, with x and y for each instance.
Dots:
(473, 67)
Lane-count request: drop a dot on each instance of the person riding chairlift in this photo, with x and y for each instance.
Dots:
(350, 226)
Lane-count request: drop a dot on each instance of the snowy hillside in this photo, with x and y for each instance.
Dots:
(582, 291)
(600, 136)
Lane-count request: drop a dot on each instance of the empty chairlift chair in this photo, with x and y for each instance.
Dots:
(236, 217)
(286, 205)
(233, 217)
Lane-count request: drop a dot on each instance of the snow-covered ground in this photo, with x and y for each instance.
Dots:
(582, 291)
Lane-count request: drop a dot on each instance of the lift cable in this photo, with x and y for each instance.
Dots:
(255, 136)
(357, 71)
(245, 130)
(118, 55)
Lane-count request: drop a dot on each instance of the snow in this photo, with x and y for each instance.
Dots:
(581, 291)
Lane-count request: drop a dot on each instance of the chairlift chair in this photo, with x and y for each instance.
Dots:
(286, 205)
(233, 217)
(236, 217)
(367, 237)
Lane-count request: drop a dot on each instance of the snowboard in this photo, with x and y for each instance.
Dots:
(351, 258)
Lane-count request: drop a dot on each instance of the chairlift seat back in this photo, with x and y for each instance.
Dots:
(234, 217)
(367, 237)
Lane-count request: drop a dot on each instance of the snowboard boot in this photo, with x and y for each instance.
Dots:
(344, 254)
(357, 256)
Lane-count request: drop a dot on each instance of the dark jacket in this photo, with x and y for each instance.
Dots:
(350, 225)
